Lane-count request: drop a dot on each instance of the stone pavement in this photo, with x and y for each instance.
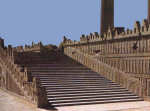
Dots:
(126, 106)
(9, 102)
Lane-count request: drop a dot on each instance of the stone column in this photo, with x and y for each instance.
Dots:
(148, 17)
(107, 15)
(1, 42)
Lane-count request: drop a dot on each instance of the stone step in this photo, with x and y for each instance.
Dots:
(34, 61)
(67, 74)
(61, 80)
(80, 85)
(48, 78)
(71, 78)
(65, 78)
(74, 80)
(52, 98)
(68, 82)
(61, 77)
(90, 99)
(37, 59)
(80, 89)
(56, 68)
(85, 94)
(95, 102)
(59, 69)
(57, 81)
(70, 71)
(77, 84)
(50, 65)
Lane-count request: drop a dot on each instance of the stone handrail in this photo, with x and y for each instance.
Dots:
(114, 74)
(130, 63)
(29, 87)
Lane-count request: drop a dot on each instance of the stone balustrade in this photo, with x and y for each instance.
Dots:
(132, 83)
(133, 65)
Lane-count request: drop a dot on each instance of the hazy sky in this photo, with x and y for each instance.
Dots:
(24, 21)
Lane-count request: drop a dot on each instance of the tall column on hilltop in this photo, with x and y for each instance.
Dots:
(107, 15)
(148, 12)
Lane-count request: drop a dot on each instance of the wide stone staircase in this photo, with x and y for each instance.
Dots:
(69, 83)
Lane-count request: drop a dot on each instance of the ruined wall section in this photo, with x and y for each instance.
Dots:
(116, 41)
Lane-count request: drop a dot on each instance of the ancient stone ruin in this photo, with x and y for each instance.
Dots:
(113, 66)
